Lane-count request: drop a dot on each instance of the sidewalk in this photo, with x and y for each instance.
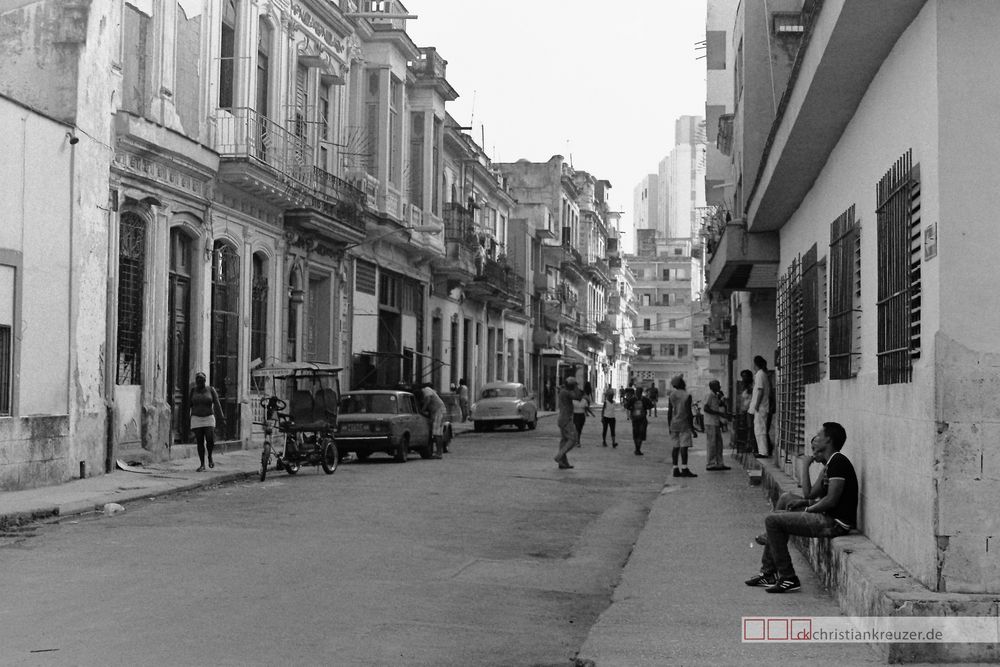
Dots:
(681, 596)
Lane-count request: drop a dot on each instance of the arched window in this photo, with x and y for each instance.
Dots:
(131, 274)
(258, 309)
(226, 332)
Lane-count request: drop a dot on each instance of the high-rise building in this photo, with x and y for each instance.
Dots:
(645, 202)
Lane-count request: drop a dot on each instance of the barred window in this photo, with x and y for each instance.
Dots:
(810, 317)
(845, 296)
(131, 279)
(898, 216)
(258, 309)
(8, 275)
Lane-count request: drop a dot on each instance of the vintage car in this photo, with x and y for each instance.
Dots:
(502, 403)
(376, 420)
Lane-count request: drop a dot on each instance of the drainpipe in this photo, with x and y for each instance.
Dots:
(73, 140)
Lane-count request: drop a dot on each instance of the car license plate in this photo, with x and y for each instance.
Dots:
(353, 428)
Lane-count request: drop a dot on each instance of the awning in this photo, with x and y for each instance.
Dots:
(574, 355)
(551, 352)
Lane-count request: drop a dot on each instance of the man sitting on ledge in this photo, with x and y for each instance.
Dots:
(834, 514)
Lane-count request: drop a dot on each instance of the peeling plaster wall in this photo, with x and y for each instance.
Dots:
(891, 429)
(967, 450)
(38, 57)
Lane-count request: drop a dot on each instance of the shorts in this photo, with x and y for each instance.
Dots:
(679, 439)
(437, 423)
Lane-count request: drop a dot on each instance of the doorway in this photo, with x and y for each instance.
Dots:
(226, 335)
(178, 340)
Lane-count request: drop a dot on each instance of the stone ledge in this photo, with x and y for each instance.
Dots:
(865, 581)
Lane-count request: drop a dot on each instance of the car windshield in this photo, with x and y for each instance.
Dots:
(366, 403)
(500, 392)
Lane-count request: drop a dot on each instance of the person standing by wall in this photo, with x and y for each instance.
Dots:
(205, 405)
(567, 430)
(715, 415)
(680, 425)
(760, 406)
(608, 420)
(463, 398)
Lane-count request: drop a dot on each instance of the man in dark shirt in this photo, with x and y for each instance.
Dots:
(831, 516)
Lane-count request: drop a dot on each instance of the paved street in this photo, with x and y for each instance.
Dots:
(492, 556)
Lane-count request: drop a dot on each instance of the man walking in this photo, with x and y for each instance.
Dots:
(832, 515)
(567, 429)
(680, 427)
(715, 414)
(760, 406)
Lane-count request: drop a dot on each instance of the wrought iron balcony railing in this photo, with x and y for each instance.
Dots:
(244, 133)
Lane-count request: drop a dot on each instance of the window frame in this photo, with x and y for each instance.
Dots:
(14, 260)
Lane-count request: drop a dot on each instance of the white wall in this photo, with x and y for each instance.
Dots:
(890, 428)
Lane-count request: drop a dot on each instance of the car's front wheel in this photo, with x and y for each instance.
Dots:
(521, 425)
(533, 423)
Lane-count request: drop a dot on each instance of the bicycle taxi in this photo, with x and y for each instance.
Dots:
(299, 402)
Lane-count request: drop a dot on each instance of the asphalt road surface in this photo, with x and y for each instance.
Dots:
(492, 556)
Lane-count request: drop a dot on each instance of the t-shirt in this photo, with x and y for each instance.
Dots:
(762, 388)
(608, 409)
(846, 511)
(680, 405)
(639, 406)
(432, 402)
(566, 398)
(711, 402)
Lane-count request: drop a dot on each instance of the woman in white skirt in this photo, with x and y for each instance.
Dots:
(205, 405)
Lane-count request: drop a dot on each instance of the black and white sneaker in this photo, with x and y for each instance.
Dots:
(785, 585)
(762, 580)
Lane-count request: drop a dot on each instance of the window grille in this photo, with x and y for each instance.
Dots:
(258, 311)
(810, 317)
(131, 276)
(790, 390)
(6, 367)
(898, 216)
(364, 277)
(225, 334)
(845, 296)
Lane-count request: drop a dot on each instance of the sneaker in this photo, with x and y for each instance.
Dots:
(638, 453)
(677, 473)
(762, 580)
(785, 585)
(687, 473)
(613, 445)
(761, 539)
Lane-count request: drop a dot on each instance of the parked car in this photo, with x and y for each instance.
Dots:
(502, 403)
(389, 421)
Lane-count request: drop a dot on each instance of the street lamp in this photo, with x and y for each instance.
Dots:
(429, 229)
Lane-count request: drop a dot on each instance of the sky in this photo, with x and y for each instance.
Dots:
(577, 78)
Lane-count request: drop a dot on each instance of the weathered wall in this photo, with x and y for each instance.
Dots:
(890, 428)
(967, 451)
(39, 54)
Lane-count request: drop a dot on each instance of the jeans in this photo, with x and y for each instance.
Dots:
(606, 423)
(779, 525)
(713, 445)
(760, 432)
(567, 440)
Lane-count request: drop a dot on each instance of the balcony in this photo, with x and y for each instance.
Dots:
(566, 257)
(458, 266)
(598, 270)
(497, 285)
(263, 159)
(743, 261)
